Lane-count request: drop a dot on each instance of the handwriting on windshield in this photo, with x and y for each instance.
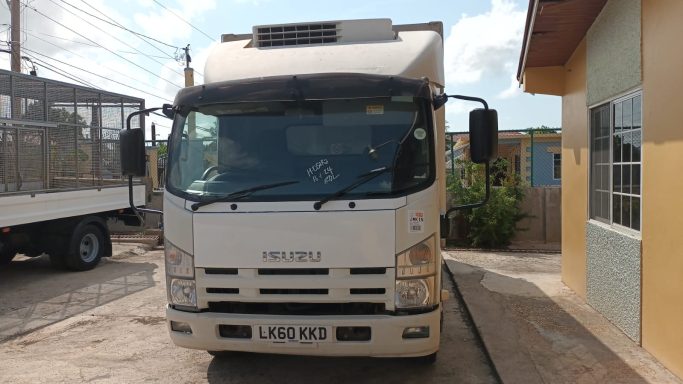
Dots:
(322, 171)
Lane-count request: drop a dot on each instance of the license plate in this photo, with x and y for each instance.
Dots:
(294, 333)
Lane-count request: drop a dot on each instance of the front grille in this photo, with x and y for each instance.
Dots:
(231, 291)
(297, 309)
(368, 271)
(368, 291)
(283, 291)
(314, 286)
(220, 271)
(293, 272)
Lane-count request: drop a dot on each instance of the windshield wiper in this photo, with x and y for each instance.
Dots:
(240, 194)
(362, 179)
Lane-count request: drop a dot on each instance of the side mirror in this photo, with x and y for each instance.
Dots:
(167, 110)
(132, 146)
(483, 135)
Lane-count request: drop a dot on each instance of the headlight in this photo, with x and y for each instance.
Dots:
(418, 260)
(178, 262)
(183, 292)
(416, 270)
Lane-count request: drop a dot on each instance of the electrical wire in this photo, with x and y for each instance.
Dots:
(61, 72)
(77, 42)
(105, 48)
(185, 21)
(103, 66)
(94, 74)
(117, 24)
(110, 35)
(139, 35)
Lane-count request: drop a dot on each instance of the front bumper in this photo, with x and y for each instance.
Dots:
(386, 341)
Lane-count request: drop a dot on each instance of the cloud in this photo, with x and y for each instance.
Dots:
(164, 22)
(484, 45)
(513, 90)
(55, 42)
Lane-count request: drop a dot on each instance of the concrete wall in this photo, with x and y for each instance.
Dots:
(575, 172)
(544, 224)
(662, 183)
(613, 43)
(613, 277)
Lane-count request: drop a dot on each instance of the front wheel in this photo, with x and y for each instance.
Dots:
(86, 248)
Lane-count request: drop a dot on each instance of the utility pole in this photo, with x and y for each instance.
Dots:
(15, 44)
(189, 81)
(154, 135)
(189, 72)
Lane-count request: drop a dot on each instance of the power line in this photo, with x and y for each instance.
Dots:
(185, 21)
(93, 73)
(110, 35)
(103, 66)
(78, 42)
(119, 25)
(107, 49)
(61, 72)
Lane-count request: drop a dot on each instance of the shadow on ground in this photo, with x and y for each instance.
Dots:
(532, 339)
(33, 294)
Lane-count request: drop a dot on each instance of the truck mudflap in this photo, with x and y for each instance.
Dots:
(387, 337)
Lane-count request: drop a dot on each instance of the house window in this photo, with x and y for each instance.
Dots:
(615, 159)
(557, 166)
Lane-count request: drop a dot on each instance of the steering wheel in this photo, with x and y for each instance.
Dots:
(208, 171)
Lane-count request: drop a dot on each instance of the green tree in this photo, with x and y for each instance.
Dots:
(494, 224)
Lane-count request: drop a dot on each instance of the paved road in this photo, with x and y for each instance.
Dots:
(107, 325)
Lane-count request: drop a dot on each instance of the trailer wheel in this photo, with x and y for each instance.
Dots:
(6, 254)
(86, 248)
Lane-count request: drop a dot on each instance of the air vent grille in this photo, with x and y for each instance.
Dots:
(299, 34)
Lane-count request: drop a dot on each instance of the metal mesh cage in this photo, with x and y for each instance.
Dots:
(56, 136)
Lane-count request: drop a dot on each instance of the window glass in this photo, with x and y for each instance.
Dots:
(557, 166)
(315, 147)
(616, 169)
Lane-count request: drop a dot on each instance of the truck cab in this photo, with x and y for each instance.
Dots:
(305, 190)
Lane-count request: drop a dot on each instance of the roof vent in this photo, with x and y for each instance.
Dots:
(300, 34)
(325, 32)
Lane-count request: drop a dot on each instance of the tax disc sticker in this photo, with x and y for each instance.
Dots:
(420, 134)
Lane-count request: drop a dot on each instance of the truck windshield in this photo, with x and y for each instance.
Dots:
(303, 150)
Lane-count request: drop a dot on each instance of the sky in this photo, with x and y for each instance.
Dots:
(482, 42)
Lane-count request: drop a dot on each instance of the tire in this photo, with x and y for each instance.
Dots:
(6, 254)
(85, 248)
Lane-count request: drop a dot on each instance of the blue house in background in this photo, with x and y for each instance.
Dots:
(535, 157)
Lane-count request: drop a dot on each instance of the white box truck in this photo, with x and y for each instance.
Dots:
(306, 192)
(60, 171)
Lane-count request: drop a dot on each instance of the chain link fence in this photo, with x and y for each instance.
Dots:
(57, 136)
(533, 154)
